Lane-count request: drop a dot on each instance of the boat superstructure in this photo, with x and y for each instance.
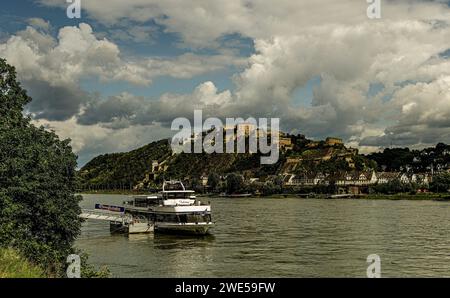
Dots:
(174, 209)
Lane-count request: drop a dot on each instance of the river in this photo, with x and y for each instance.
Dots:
(287, 237)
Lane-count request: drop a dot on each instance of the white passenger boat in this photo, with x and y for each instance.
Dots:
(173, 210)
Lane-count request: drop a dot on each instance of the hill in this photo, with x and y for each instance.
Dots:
(148, 166)
(122, 170)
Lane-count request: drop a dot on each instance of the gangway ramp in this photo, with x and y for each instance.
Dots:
(105, 216)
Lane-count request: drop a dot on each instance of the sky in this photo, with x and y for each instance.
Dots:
(115, 79)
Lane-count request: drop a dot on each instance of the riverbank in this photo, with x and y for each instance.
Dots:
(417, 197)
(399, 196)
(393, 197)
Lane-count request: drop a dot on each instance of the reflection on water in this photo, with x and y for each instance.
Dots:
(136, 238)
(162, 241)
(284, 238)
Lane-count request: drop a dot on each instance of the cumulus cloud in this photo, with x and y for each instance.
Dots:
(423, 115)
(201, 22)
(348, 59)
(126, 110)
(76, 53)
(100, 140)
(52, 68)
(295, 42)
(59, 102)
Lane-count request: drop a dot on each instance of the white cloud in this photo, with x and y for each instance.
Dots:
(296, 41)
(348, 59)
(40, 23)
(61, 63)
(75, 54)
(127, 110)
(201, 22)
(88, 143)
(423, 117)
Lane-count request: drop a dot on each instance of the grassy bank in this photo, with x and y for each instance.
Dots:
(13, 265)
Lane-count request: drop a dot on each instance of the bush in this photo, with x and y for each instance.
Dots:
(441, 183)
(393, 187)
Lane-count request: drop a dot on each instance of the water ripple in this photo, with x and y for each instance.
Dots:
(285, 238)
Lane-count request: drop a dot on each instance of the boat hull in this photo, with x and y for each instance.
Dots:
(179, 228)
(138, 228)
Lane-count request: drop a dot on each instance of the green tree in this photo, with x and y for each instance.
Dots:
(197, 185)
(235, 183)
(440, 183)
(278, 182)
(38, 208)
(213, 181)
(394, 186)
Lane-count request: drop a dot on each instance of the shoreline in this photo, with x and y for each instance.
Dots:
(392, 197)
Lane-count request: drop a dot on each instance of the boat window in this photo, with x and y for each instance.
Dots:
(192, 218)
(173, 186)
(176, 195)
(168, 218)
(183, 218)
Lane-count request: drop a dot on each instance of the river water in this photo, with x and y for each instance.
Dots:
(287, 237)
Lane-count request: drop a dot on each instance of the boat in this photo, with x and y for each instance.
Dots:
(173, 210)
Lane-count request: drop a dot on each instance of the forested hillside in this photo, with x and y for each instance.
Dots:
(123, 170)
(126, 170)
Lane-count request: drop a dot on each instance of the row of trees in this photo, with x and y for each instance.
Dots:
(395, 159)
(440, 184)
(395, 186)
(235, 183)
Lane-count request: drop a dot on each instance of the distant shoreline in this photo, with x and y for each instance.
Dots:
(393, 197)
